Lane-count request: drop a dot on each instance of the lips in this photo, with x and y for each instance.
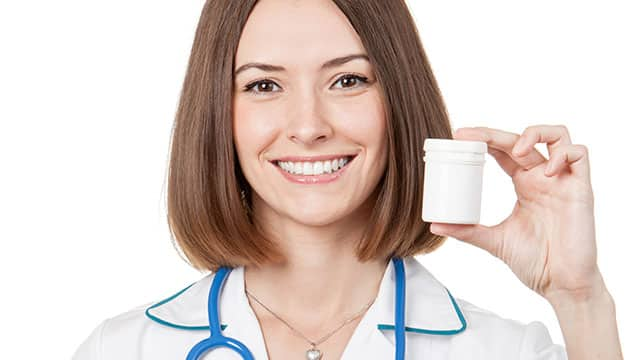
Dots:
(314, 179)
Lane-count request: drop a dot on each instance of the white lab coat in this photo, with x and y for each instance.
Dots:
(438, 326)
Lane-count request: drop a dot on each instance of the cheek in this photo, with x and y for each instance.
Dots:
(364, 121)
(253, 127)
(369, 128)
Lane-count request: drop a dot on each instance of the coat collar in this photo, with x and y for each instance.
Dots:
(430, 308)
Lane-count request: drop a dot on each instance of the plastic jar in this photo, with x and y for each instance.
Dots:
(453, 180)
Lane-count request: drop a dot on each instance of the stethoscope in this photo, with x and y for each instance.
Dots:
(218, 340)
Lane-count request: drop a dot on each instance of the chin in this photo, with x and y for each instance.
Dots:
(317, 217)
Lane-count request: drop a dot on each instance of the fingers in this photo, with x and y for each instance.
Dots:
(487, 238)
(504, 160)
(574, 156)
(513, 151)
(553, 135)
(503, 141)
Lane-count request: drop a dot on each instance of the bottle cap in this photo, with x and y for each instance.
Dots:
(451, 145)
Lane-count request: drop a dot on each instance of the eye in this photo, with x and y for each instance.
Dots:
(346, 79)
(261, 84)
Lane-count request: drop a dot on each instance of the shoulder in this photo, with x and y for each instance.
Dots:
(145, 329)
(120, 331)
(489, 335)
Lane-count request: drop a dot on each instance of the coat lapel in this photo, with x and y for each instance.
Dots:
(429, 310)
(188, 310)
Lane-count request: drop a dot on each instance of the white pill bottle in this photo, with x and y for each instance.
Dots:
(453, 180)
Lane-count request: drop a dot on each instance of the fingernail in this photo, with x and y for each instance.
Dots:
(547, 169)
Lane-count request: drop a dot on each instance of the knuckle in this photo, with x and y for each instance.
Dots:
(531, 130)
(582, 148)
(563, 128)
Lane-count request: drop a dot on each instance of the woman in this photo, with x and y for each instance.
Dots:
(279, 90)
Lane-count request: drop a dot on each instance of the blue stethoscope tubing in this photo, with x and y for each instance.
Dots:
(217, 340)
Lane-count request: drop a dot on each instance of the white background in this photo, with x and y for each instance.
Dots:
(88, 91)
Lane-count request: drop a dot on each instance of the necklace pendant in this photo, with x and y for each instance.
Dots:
(314, 354)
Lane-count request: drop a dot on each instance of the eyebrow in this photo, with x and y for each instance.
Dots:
(329, 64)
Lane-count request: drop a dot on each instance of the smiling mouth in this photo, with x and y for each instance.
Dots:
(314, 168)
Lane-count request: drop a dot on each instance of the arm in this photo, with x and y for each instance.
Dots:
(588, 323)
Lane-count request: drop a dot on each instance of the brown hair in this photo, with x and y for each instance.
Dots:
(205, 210)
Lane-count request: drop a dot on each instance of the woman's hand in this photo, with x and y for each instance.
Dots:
(548, 240)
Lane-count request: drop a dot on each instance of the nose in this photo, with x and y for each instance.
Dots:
(308, 123)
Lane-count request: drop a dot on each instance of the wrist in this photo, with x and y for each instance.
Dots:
(587, 318)
(594, 296)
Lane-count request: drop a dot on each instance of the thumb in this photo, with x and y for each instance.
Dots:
(478, 235)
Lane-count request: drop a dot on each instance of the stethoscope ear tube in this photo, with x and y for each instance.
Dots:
(400, 304)
(217, 339)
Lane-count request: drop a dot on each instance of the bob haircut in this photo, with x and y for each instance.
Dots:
(209, 217)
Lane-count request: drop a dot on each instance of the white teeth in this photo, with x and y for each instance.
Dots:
(313, 168)
(326, 166)
(307, 168)
(318, 167)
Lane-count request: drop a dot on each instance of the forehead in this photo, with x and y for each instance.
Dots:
(296, 33)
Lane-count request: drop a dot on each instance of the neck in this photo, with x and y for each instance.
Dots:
(322, 280)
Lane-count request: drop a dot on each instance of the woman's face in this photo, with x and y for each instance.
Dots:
(296, 107)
